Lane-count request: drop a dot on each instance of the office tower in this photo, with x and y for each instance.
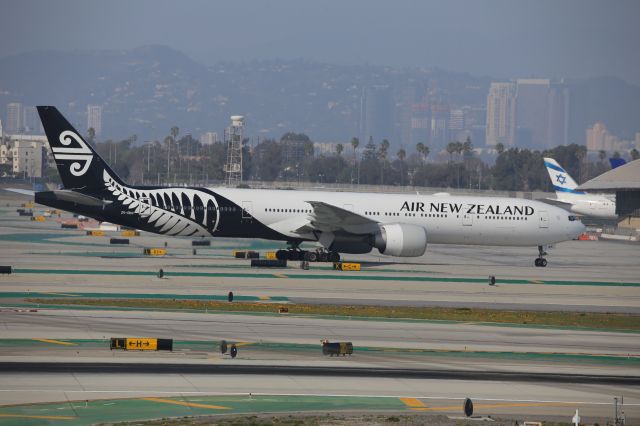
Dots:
(14, 118)
(376, 114)
(501, 114)
(558, 116)
(30, 120)
(94, 118)
(532, 106)
(208, 138)
(439, 126)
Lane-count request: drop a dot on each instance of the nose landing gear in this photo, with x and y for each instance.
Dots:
(540, 260)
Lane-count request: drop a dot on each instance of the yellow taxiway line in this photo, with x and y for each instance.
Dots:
(57, 342)
(186, 404)
(26, 416)
(413, 403)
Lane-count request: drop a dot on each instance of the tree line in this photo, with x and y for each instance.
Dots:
(184, 160)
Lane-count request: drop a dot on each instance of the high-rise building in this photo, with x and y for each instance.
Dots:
(532, 110)
(439, 126)
(501, 114)
(30, 120)
(14, 118)
(94, 118)
(376, 114)
(208, 138)
(558, 116)
(420, 124)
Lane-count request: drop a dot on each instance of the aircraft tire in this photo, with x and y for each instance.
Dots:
(334, 256)
(282, 255)
(311, 256)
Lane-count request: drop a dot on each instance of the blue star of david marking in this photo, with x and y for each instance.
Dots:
(561, 178)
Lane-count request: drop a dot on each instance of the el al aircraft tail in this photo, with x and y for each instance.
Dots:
(79, 165)
(562, 182)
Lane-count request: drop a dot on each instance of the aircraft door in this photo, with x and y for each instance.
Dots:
(247, 210)
(467, 219)
(544, 219)
(144, 207)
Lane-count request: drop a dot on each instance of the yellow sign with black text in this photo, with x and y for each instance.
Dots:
(141, 344)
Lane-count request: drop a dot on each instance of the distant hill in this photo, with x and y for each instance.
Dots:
(147, 90)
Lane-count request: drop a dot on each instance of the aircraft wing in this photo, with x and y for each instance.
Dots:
(21, 191)
(556, 202)
(329, 218)
(72, 197)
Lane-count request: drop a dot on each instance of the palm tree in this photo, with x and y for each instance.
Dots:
(467, 146)
(339, 149)
(500, 148)
(174, 134)
(382, 155)
(602, 154)
(581, 154)
(451, 148)
(420, 147)
(402, 154)
(354, 143)
(635, 154)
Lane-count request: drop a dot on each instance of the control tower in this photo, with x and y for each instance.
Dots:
(234, 137)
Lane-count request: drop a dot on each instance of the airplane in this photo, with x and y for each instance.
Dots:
(579, 202)
(616, 162)
(341, 222)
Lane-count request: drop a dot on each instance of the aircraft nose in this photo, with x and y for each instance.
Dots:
(577, 228)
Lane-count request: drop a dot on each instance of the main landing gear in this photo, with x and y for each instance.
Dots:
(540, 260)
(318, 255)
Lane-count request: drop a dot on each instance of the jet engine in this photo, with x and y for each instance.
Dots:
(402, 240)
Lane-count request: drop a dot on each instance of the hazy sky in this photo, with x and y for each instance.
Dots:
(502, 38)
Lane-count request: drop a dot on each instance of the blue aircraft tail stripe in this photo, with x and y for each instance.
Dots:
(571, 191)
(554, 167)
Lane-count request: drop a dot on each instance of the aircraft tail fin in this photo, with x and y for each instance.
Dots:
(617, 162)
(562, 182)
(79, 165)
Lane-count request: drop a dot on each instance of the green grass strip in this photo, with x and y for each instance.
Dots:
(595, 321)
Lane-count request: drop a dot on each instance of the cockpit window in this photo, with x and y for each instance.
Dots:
(573, 218)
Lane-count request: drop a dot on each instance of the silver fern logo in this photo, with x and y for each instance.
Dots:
(80, 154)
(170, 211)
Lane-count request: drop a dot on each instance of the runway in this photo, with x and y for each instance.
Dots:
(312, 371)
(435, 335)
(509, 369)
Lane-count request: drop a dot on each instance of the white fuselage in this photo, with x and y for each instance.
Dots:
(592, 205)
(447, 219)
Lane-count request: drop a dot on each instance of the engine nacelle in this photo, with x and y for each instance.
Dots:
(402, 240)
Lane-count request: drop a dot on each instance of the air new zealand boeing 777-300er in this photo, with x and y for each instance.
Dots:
(341, 222)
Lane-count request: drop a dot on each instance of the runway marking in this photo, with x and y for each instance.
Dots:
(487, 406)
(413, 403)
(186, 404)
(57, 342)
(280, 276)
(264, 298)
(59, 294)
(243, 344)
(25, 416)
(536, 281)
